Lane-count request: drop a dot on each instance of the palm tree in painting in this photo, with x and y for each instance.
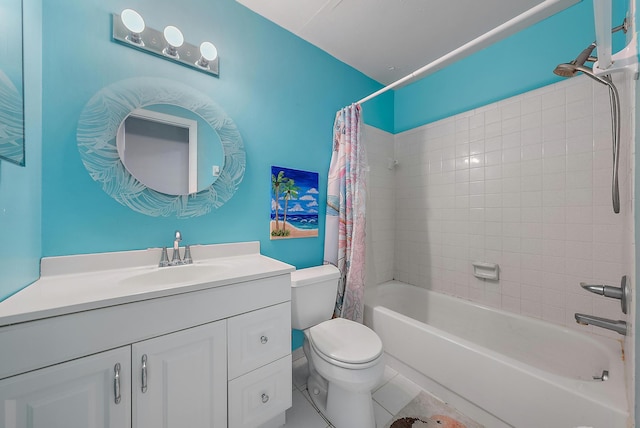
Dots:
(276, 182)
(290, 191)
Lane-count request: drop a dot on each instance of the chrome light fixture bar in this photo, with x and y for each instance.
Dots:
(130, 30)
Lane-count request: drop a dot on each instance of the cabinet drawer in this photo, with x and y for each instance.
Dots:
(258, 338)
(260, 395)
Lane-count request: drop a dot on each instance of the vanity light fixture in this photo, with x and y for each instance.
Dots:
(135, 24)
(208, 53)
(174, 39)
(130, 29)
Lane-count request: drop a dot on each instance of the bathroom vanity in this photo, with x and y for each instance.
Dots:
(111, 340)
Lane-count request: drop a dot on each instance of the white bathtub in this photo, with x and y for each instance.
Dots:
(516, 370)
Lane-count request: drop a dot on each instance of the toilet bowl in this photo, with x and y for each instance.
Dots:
(341, 377)
(345, 358)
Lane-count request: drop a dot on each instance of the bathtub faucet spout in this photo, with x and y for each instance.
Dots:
(617, 326)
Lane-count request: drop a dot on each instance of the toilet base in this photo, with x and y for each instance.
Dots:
(318, 392)
(344, 409)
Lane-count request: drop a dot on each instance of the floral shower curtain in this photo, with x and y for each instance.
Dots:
(345, 224)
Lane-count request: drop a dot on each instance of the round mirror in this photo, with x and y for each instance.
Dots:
(170, 149)
(122, 128)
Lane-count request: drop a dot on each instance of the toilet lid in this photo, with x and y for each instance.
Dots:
(346, 341)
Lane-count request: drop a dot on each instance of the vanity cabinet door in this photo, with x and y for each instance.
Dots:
(93, 391)
(180, 379)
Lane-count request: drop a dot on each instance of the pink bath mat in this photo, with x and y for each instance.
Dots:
(426, 411)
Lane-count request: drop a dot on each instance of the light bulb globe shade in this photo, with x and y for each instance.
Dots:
(208, 51)
(173, 36)
(132, 20)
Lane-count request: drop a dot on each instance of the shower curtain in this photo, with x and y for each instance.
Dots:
(345, 224)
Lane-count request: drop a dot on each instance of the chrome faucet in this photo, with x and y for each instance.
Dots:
(175, 259)
(618, 326)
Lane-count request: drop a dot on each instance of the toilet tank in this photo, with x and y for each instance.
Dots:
(313, 295)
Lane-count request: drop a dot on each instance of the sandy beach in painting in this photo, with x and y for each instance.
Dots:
(295, 232)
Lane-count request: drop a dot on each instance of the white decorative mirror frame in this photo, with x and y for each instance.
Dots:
(97, 131)
(12, 142)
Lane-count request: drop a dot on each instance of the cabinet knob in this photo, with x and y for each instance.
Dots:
(265, 398)
(264, 339)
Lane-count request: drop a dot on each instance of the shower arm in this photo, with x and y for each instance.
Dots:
(624, 27)
(585, 56)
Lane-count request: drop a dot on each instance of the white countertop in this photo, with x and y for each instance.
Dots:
(83, 282)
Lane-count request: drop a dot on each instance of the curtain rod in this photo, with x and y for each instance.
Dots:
(509, 27)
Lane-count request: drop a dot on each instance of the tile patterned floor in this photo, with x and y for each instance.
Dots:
(389, 397)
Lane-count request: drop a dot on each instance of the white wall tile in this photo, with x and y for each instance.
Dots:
(531, 167)
(554, 98)
(530, 104)
(555, 164)
(524, 182)
(554, 132)
(553, 147)
(553, 314)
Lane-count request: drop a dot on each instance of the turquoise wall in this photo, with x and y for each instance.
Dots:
(20, 204)
(281, 92)
(517, 64)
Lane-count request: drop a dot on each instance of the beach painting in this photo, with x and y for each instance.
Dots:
(294, 203)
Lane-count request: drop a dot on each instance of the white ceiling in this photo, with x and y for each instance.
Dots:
(389, 39)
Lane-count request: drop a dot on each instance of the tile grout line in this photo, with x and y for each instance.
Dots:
(315, 407)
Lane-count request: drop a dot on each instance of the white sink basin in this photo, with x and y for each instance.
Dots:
(185, 274)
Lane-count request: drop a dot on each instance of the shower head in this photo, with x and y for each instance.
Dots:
(566, 69)
(571, 69)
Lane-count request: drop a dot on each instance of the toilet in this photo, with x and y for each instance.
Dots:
(345, 358)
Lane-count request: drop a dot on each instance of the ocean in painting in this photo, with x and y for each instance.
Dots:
(300, 221)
